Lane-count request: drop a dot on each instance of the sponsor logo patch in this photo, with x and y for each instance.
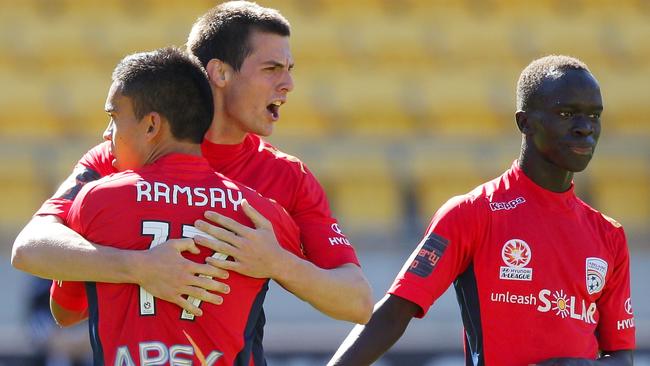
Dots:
(557, 302)
(431, 250)
(628, 306)
(516, 254)
(496, 206)
(596, 270)
(340, 239)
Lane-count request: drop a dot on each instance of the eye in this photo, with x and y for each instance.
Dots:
(565, 114)
(594, 116)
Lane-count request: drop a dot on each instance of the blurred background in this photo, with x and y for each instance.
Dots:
(398, 105)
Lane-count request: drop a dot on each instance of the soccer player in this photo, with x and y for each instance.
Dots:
(245, 49)
(541, 277)
(154, 135)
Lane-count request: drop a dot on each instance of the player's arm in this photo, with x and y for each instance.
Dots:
(341, 293)
(610, 358)
(366, 343)
(47, 248)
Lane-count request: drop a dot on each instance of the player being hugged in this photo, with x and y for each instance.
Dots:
(163, 186)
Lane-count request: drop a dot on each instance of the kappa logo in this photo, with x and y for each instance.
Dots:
(512, 204)
(516, 254)
(596, 270)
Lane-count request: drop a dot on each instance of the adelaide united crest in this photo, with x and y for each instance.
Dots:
(596, 271)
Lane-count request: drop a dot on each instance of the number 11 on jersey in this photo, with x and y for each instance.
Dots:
(159, 230)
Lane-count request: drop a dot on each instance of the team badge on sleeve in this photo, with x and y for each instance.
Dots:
(431, 250)
(596, 270)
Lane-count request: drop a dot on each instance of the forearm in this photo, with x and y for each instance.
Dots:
(341, 293)
(48, 249)
(366, 343)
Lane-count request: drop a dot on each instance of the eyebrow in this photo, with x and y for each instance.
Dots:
(578, 105)
(277, 64)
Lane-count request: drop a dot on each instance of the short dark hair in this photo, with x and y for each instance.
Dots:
(224, 31)
(538, 71)
(172, 83)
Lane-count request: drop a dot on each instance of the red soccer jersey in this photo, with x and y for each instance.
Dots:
(537, 274)
(137, 210)
(257, 164)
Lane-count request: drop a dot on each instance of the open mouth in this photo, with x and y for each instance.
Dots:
(274, 109)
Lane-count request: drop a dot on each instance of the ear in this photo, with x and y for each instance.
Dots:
(153, 125)
(523, 122)
(219, 72)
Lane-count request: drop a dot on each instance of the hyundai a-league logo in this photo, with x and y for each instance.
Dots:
(628, 306)
(596, 270)
(516, 254)
(336, 229)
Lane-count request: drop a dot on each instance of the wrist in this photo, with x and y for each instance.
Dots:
(130, 265)
(283, 268)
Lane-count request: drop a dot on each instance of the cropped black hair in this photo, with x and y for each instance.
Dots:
(538, 71)
(172, 83)
(224, 31)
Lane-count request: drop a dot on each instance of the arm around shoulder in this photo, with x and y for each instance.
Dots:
(49, 249)
(342, 293)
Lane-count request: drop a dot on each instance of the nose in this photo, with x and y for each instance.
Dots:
(287, 82)
(583, 127)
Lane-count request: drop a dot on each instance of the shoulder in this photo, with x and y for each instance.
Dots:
(602, 220)
(608, 227)
(466, 207)
(100, 159)
(278, 158)
(475, 200)
(110, 184)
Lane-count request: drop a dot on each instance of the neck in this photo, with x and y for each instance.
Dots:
(173, 147)
(223, 130)
(544, 173)
(224, 133)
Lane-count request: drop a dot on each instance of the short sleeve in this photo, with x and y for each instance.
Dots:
(96, 163)
(442, 255)
(322, 238)
(69, 295)
(616, 330)
(286, 230)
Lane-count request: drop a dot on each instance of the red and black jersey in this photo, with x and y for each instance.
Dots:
(257, 164)
(537, 274)
(140, 209)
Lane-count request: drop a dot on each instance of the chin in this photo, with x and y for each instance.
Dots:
(264, 132)
(577, 166)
